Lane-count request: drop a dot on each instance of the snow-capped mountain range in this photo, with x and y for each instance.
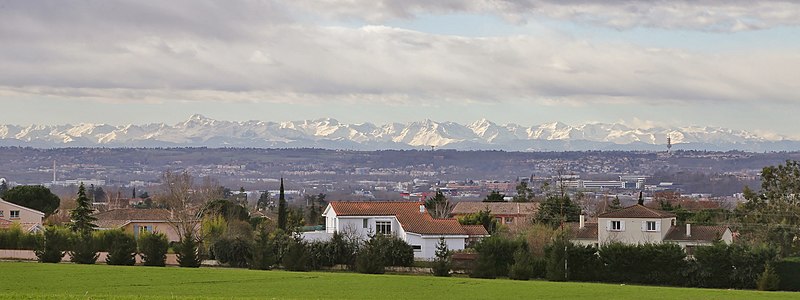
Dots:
(199, 131)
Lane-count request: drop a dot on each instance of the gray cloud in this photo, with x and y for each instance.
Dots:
(706, 15)
(262, 51)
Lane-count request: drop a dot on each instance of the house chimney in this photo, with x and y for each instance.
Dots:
(422, 208)
(688, 229)
(582, 222)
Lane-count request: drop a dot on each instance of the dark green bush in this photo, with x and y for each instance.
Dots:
(321, 255)
(370, 258)
(485, 266)
(296, 257)
(398, 252)
(52, 245)
(344, 248)
(84, 249)
(731, 266)
(538, 267)
(555, 254)
(769, 279)
(235, 252)
(16, 238)
(153, 248)
(788, 271)
(497, 253)
(661, 264)
(522, 269)
(583, 264)
(122, 248)
(264, 251)
(187, 252)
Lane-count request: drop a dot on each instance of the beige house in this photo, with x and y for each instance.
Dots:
(505, 212)
(137, 221)
(638, 224)
(28, 219)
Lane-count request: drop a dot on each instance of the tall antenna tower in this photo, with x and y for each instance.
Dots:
(669, 144)
(54, 172)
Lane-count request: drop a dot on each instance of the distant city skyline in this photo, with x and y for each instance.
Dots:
(730, 64)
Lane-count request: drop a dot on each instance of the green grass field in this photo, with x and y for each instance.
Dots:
(28, 280)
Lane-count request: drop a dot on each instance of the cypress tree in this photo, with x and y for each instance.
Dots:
(81, 217)
(282, 212)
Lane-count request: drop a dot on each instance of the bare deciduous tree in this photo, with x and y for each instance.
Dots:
(185, 201)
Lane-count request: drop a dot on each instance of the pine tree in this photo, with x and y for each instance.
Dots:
(615, 204)
(263, 255)
(84, 249)
(282, 211)
(81, 217)
(442, 262)
(187, 252)
(3, 187)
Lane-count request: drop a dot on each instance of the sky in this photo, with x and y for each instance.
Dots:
(642, 63)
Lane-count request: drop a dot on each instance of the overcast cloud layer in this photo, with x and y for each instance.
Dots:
(272, 52)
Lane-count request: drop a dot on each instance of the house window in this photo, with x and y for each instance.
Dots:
(383, 227)
(365, 223)
(417, 248)
(14, 214)
(616, 225)
(1, 214)
(651, 226)
(509, 220)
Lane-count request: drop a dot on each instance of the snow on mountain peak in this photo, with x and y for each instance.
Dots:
(199, 130)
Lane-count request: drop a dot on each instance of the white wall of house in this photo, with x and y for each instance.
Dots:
(632, 230)
(428, 244)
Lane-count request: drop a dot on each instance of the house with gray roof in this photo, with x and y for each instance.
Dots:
(638, 224)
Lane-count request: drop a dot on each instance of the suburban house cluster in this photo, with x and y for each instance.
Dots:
(27, 219)
(411, 222)
(638, 224)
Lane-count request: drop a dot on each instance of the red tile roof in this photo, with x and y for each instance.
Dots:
(409, 216)
(637, 211)
(588, 232)
(474, 230)
(119, 217)
(699, 233)
(497, 208)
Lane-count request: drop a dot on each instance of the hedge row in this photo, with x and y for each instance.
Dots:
(716, 266)
(51, 245)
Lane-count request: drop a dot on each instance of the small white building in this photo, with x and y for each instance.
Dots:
(408, 221)
(29, 219)
(638, 224)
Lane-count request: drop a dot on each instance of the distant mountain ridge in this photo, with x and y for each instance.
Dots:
(200, 131)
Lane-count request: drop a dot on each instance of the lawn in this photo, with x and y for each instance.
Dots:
(28, 280)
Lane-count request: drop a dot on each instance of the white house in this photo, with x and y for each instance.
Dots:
(407, 220)
(28, 219)
(638, 224)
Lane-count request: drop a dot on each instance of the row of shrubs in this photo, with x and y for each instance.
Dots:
(54, 243)
(268, 250)
(717, 266)
(278, 249)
